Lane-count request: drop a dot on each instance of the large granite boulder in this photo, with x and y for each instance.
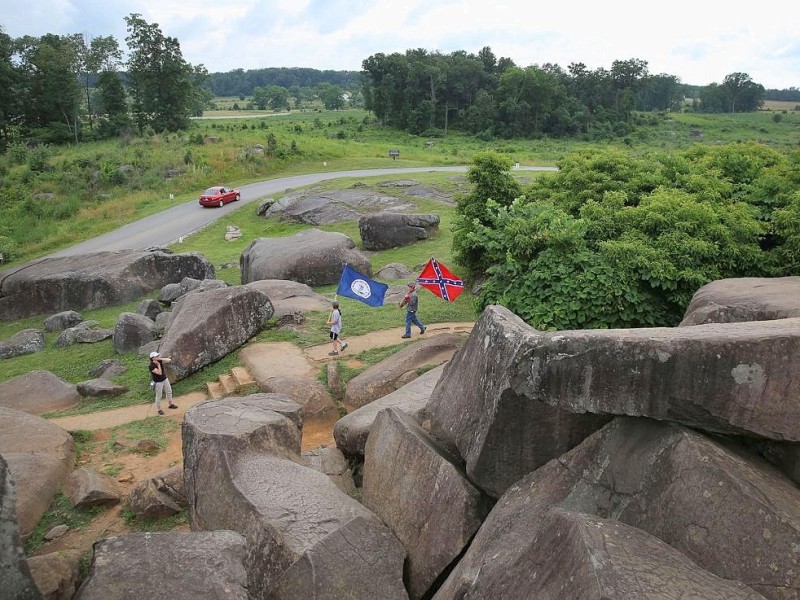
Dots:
(500, 433)
(332, 463)
(316, 207)
(86, 488)
(312, 257)
(400, 368)
(57, 574)
(206, 326)
(40, 455)
(168, 566)
(744, 299)
(290, 297)
(160, 495)
(384, 230)
(92, 280)
(38, 392)
(23, 342)
(536, 394)
(132, 331)
(415, 488)
(305, 537)
(62, 320)
(85, 332)
(352, 430)
(15, 576)
(728, 511)
(575, 555)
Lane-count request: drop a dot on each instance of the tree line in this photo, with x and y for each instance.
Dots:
(71, 88)
(428, 93)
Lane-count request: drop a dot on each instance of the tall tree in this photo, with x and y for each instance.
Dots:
(162, 83)
(49, 89)
(95, 55)
(743, 92)
(9, 105)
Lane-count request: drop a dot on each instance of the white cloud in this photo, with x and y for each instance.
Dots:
(698, 42)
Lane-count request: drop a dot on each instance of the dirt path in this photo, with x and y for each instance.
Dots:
(134, 467)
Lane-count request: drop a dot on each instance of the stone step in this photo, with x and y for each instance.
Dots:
(215, 390)
(242, 377)
(228, 383)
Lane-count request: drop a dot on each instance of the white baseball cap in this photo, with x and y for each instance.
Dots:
(153, 354)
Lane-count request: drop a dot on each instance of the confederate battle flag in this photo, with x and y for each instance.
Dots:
(440, 281)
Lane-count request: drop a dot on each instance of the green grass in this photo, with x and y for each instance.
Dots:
(61, 512)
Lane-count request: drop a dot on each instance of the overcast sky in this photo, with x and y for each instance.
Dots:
(699, 41)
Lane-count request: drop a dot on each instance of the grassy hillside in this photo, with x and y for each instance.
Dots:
(54, 197)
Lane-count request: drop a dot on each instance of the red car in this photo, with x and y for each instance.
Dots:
(219, 195)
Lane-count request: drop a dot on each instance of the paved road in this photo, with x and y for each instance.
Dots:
(167, 226)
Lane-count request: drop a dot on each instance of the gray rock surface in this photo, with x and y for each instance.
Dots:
(352, 430)
(316, 207)
(427, 502)
(575, 555)
(306, 538)
(23, 342)
(744, 299)
(384, 230)
(149, 308)
(132, 331)
(100, 388)
(168, 566)
(400, 368)
(86, 487)
(730, 512)
(62, 320)
(204, 327)
(290, 297)
(56, 574)
(93, 280)
(332, 463)
(107, 368)
(160, 495)
(38, 392)
(85, 332)
(15, 575)
(312, 257)
(39, 455)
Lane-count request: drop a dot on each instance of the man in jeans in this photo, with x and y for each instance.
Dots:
(160, 381)
(411, 302)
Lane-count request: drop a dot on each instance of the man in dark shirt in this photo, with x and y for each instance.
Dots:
(411, 302)
(160, 380)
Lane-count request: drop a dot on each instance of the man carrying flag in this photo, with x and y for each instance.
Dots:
(359, 287)
(438, 279)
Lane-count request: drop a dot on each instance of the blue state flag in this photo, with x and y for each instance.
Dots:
(360, 287)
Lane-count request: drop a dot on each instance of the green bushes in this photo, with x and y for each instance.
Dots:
(617, 241)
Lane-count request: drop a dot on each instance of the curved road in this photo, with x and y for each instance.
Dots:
(165, 227)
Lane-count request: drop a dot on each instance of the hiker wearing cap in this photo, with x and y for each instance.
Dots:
(411, 302)
(160, 380)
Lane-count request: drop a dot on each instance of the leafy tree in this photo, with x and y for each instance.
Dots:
(331, 96)
(114, 105)
(743, 93)
(49, 87)
(162, 83)
(9, 99)
(100, 53)
(491, 181)
(277, 97)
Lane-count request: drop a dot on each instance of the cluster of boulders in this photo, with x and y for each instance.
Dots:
(570, 464)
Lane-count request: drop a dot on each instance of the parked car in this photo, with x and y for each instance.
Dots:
(219, 195)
